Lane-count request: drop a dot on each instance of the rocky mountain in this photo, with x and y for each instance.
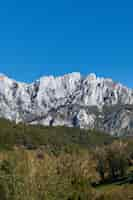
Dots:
(71, 100)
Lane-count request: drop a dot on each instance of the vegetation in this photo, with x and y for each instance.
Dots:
(57, 138)
(46, 163)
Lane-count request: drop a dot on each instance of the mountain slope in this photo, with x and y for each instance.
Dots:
(70, 100)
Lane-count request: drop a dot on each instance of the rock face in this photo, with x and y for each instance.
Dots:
(70, 100)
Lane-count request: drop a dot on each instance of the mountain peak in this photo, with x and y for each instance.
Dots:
(92, 77)
(3, 76)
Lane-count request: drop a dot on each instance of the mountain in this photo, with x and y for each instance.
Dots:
(70, 100)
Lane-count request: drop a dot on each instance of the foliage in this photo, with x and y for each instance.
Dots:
(46, 163)
(112, 161)
(56, 138)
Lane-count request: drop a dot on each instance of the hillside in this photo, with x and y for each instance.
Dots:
(60, 163)
(34, 136)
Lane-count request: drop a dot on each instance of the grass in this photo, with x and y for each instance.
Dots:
(108, 187)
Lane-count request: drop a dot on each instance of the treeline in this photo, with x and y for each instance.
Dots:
(32, 137)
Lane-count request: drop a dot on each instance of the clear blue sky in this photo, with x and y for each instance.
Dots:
(39, 37)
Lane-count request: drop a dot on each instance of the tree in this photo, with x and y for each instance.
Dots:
(112, 161)
(102, 165)
(117, 159)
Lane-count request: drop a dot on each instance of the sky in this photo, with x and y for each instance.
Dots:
(54, 37)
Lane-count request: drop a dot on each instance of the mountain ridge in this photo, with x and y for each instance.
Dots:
(69, 100)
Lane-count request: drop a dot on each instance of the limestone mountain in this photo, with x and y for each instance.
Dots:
(70, 100)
